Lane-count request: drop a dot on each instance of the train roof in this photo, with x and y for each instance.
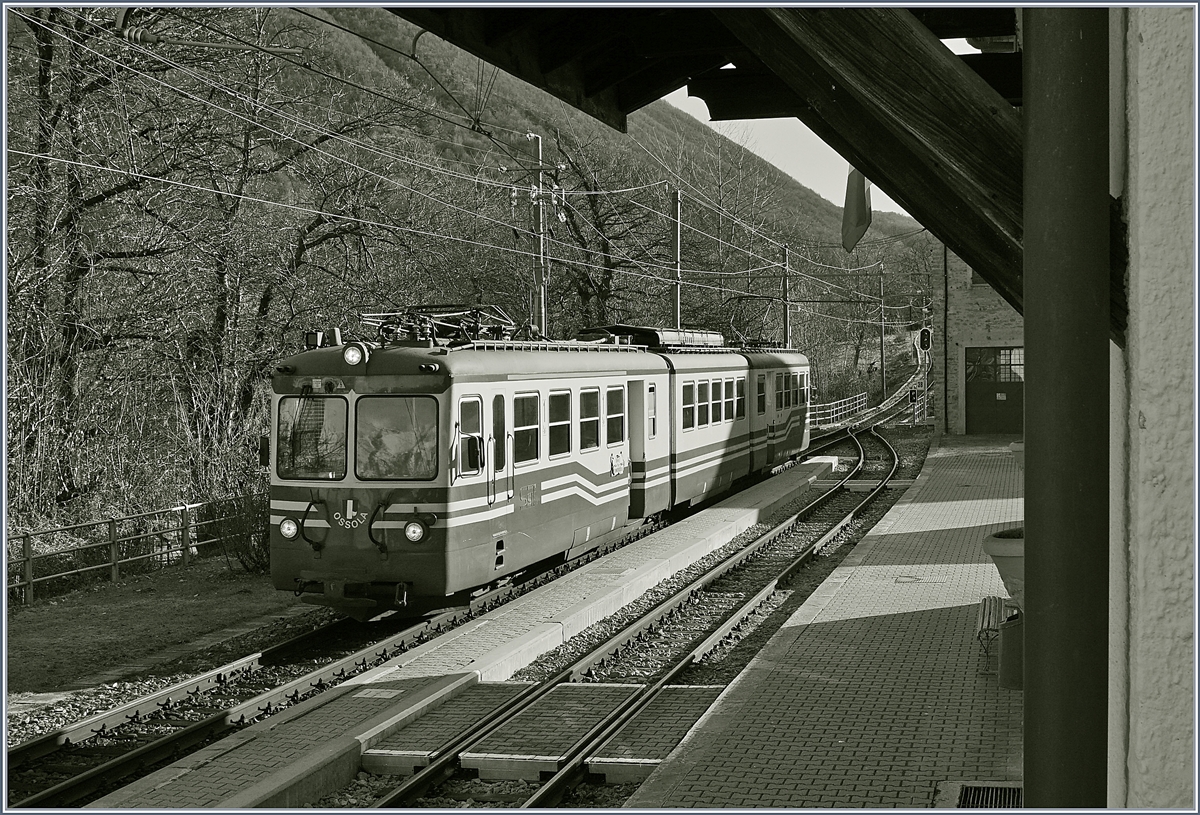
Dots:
(657, 338)
(610, 352)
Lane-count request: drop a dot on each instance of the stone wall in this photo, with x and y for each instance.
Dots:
(976, 317)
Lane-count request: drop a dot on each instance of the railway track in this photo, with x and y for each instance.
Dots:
(764, 565)
(86, 759)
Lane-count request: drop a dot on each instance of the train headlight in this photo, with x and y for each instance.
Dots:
(289, 528)
(414, 531)
(354, 353)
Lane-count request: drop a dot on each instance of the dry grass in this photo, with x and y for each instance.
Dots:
(58, 641)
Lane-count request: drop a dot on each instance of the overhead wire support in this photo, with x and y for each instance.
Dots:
(141, 35)
(677, 250)
(539, 310)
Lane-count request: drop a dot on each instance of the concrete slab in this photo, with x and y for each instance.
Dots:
(538, 739)
(639, 747)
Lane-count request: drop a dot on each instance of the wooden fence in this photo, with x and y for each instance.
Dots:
(133, 544)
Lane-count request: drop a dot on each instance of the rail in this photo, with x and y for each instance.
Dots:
(146, 541)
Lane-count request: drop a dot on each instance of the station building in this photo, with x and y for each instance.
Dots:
(978, 361)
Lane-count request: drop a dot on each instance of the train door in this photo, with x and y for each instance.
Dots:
(637, 447)
(778, 418)
(499, 454)
(758, 423)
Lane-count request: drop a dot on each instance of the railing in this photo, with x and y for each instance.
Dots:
(139, 543)
(834, 412)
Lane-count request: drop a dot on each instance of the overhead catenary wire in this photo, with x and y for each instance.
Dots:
(563, 192)
(410, 230)
(697, 199)
(318, 150)
(301, 122)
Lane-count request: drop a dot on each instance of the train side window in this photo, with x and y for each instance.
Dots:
(779, 405)
(525, 428)
(499, 439)
(739, 409)
(701, 404)
(560, 423)
(589, 419)
(803, 389)
(615, 404)
(470, 424)
(716, 401)
(652, 411)
(762, 394)
(729, 400)
(689, 406)
(795, 389)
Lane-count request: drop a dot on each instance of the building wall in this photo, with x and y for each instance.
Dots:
(976, 316)
(1157, 381)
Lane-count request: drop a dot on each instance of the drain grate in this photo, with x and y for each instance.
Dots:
(978, 793)
(990, 797)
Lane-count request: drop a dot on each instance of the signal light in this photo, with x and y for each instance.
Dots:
(926, 339)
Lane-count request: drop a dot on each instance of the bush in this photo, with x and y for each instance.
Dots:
(240, 529)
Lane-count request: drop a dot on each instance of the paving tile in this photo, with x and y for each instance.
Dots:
(871, 692)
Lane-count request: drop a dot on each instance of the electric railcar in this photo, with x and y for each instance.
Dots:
(411, 472)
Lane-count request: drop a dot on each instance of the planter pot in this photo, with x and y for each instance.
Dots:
(1018, 451)
(1006, 548)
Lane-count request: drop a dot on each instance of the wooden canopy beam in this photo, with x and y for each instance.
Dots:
(878, 87)
(969, 21)
(517, 53)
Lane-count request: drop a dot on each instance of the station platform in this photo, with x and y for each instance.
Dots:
(876, 692)
(317, 746)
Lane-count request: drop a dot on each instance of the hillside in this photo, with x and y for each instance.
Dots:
(179, 217)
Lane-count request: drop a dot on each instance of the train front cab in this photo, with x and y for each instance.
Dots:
(360, 473)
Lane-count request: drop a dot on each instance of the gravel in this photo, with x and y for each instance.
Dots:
(720, 667)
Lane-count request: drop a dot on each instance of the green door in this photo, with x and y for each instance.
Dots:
(995, 390)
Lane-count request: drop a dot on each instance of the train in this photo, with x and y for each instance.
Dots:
(454, 452)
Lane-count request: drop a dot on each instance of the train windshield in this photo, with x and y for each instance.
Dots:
(396, 438)
(312, 437)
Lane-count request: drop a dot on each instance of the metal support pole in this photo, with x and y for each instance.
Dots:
(539, 275)
(945, 339)
(787, 306)
(1066, 274)
(882, 359)
(677, 245)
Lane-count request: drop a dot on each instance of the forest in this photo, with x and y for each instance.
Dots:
(188, 193)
